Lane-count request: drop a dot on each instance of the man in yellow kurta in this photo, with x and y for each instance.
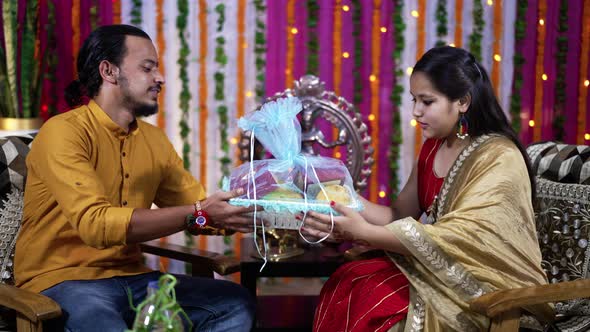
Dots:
(93, 174)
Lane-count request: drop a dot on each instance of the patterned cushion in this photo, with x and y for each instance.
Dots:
(13, 170)
(562, 214)
(13, 151)
(563, 163)
(574, 324)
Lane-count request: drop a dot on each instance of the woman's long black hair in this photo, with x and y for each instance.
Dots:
(105, 43)
(455, 73)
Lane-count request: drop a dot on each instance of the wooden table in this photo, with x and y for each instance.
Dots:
(290, 312)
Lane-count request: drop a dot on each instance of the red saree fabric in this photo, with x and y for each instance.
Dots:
(369, 295)
(373, 295)
(429, 183)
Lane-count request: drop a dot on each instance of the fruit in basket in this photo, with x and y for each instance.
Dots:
(282, 194)
(335, 192)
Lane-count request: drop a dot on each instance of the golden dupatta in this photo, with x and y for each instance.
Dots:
(482, 238)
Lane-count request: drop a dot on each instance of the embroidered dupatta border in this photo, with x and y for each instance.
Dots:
(451, 273)
(457, 165)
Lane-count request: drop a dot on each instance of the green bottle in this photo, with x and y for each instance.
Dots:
(159, 312)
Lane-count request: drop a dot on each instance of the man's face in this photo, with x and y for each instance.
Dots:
(139, 78)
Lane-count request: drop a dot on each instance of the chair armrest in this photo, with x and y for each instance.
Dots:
(35, 307)
(533, 299)
(201, 259)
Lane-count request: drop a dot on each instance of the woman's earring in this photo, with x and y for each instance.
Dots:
(463, 127)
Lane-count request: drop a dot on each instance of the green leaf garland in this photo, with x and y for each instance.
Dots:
(184, 99)
(396, 97)
(94, 15)
(260, 50)
(518, 60)
(222, 110)
(136, 18)
(185, 95)
(313, 45)
(441, 22)
(219, 93)
(477, 33)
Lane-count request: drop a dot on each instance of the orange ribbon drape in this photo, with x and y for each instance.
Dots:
(375, 62)
(497, 46)
(117, 12)
(290, 44)
(240, 94)
(458, 23)
(203, 100)
(241, 49)
(75, 33)
(583, 95)
(161, 41)
(420, 49)
(539, 70)
(240, 66)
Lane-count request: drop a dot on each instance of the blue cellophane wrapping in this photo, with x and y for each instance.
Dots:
(291, 182)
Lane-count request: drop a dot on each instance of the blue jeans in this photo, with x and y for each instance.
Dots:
(102, 305)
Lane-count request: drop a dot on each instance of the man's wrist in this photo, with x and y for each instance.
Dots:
(204, 203)
(197, 220)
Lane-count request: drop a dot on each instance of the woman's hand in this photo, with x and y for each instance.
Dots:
(348, 226)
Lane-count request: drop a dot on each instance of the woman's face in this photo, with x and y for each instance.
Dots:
(434, 112)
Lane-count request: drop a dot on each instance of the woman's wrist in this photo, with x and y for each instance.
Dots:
(376, 214)
(366, 235)
(379, 237)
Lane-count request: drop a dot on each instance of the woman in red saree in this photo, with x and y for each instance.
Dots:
(474, 183)
(374, 293)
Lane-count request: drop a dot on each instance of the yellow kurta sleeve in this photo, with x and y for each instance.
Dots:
(59, 158)
(178, 186)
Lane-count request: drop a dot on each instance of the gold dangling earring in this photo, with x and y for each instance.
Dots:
(463, 127)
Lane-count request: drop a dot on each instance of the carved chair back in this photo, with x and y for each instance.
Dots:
(13, 171)
(562, 213)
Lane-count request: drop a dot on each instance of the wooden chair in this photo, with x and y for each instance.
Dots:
(562, 213)
(31, 309)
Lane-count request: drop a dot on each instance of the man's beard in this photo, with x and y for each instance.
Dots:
(138, 108)
(144, 109)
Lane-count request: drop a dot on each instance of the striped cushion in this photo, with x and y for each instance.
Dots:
(564, 163)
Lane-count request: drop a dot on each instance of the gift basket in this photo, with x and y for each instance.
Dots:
(291, 183)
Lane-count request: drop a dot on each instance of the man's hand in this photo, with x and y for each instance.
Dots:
(226, 216)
